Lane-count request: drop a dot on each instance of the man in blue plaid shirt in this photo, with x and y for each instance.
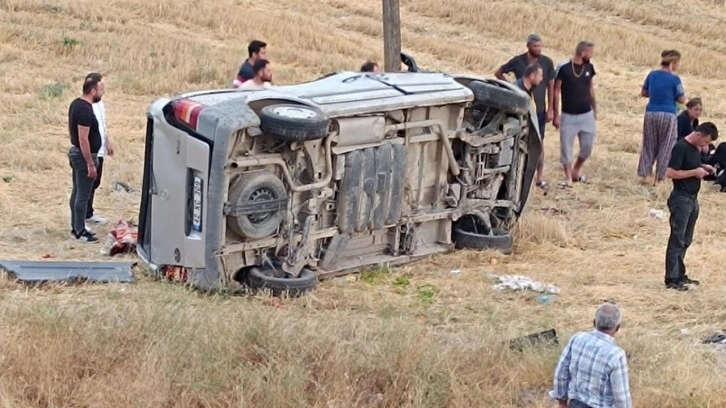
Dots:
(593, 370)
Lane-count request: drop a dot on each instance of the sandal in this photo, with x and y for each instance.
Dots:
(582, 179)
(563, 185)
(542, 184)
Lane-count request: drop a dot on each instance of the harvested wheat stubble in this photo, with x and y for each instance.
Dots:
(415, 336)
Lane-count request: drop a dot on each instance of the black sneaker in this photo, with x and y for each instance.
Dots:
(86, 237)
(679, 286)
(688, 281)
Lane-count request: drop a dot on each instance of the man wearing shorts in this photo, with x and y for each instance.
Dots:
(574, 85)
(543, 92)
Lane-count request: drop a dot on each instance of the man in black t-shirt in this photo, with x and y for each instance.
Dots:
(543, 91)
(574, 83)
(686, 170)
(86, 141)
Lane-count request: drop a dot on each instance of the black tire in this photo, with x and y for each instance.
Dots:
(500, 98)
(279, 283)
(278, 120)
(468, 234)
(256, 187)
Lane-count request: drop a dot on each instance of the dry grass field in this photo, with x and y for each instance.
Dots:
(414, 336)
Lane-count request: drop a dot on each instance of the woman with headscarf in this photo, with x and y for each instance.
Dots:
(688, 119)
(663, 88)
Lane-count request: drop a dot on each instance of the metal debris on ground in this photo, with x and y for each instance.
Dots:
(69, 271)
(518, 282)
(119, 186)
(547, 337)
(716, 338)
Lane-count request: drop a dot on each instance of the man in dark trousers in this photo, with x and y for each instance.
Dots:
(86, 141)
(543, 92)
(686, 170)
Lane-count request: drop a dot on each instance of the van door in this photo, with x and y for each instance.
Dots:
(173, 214)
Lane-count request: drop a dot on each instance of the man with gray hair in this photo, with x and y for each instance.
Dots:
(593, 370)
(543, 92)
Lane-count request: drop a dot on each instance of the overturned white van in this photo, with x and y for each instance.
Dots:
(276, 188)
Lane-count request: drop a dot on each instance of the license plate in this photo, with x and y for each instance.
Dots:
(197, 209)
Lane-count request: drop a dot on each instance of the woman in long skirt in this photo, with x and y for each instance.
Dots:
(663, 88)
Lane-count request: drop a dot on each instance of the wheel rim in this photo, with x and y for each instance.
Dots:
(294, 112)
(260, 195)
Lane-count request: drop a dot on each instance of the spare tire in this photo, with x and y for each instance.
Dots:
(470, 234)
(500, 98)
(249, 196)
(294, 123)
(279, 282)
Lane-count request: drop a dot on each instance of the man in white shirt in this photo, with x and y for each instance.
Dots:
(262, 78)
(106, 149)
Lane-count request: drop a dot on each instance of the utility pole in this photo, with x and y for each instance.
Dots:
(391, 35)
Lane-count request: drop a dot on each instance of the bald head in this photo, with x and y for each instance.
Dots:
(608, 317)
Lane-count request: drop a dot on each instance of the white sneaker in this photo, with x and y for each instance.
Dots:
(95, 219)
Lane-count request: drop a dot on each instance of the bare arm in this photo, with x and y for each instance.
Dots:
(85, 145)
(593, 102)
(644, 93)
(499, 74)
(682, 174)
(681, 100)
(550, 94)
(557, 87)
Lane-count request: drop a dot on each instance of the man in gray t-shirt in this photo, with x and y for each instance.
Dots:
(543, 93)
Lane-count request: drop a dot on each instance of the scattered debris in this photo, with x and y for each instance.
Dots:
(66, 271)
(547, 337)
(545, 299)
(8, 179)
(657, 214)
(119, 186)
(685, 332)
(716, 338)
(553, 211)
(518, 282)
(121, 239)
(456, 271)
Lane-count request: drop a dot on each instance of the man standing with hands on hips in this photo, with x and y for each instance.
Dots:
(85, 141)
(686, 169)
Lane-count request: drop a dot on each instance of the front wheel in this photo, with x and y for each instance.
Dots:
(279, 282)
(470, 233)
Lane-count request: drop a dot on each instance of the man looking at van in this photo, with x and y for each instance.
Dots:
(543, 92)
(529, 81)
(256, 50)
(261, 78)
(83, 154)
(106, 149)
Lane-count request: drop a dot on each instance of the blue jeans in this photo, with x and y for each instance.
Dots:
(82, 188)
(684, 213)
